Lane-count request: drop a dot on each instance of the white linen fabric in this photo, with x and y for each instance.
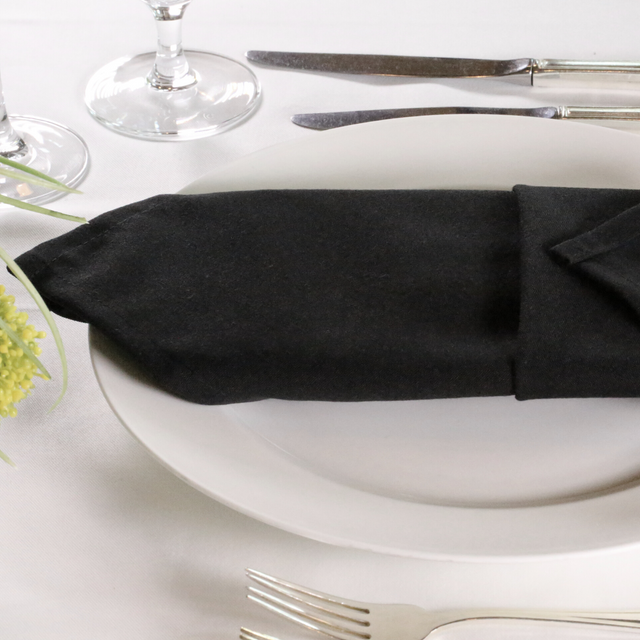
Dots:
(98, 540)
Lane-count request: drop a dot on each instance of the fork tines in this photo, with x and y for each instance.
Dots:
(338, 619)
(248, 634)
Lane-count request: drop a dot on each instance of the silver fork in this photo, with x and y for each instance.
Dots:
(344, 619)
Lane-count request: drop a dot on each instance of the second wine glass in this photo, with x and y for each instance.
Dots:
(172, 94)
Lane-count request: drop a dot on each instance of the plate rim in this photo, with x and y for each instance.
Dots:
(346, 541)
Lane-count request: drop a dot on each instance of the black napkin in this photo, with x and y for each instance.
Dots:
(362, 295)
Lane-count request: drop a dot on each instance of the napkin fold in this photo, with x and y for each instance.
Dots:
(362, 295)
(579, 333)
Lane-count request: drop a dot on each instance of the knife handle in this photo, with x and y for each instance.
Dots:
(617, 117)
(607, 75)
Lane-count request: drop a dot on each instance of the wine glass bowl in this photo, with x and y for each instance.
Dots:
(171, 94)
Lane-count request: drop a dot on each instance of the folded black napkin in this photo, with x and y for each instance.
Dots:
(362, 295)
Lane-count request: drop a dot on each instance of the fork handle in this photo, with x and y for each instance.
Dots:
(628, 619)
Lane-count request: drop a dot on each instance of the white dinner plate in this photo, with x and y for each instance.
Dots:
(466, 479)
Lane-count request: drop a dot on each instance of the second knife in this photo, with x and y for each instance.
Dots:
(619, 117)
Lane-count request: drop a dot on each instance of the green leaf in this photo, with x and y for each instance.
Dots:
(7, 459)
(34, 207)
(39, 182)
(37, 174)
(16, 339)
(22, 277)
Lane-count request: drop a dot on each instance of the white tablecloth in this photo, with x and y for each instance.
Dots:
(98, 540)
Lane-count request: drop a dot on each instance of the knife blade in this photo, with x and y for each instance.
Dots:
(528, 70)
(611, 116)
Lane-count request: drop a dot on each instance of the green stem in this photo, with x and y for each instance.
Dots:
(37, 181)
(7, 459)
(27, 351)
(22, 277)
(35, 208)
(43, 176)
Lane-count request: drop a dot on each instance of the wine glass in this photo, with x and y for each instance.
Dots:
(42, 145)
(168, 95)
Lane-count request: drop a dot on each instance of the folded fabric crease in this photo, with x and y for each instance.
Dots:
(362, 295)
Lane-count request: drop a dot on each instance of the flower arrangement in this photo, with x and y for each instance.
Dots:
(19, 351)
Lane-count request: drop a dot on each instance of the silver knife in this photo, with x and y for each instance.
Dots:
(528, 70)
(611, 116)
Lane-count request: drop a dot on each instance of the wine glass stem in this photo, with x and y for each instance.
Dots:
(171, 71)
(12, 146)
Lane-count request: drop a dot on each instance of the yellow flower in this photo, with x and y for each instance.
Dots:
(18, 349)
(17, 368)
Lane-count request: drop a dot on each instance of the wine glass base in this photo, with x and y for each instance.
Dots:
(120, 97)
(52, 149)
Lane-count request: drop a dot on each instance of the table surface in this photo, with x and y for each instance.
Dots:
(98, 540)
